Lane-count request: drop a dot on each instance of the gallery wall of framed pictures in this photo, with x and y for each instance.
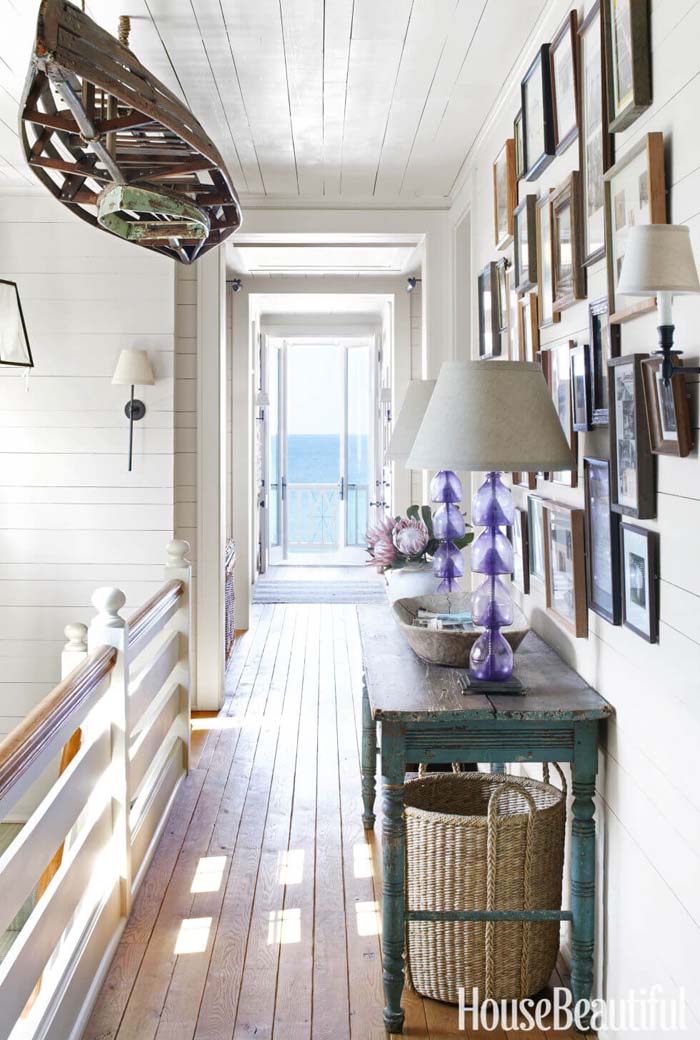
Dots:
(566, 192)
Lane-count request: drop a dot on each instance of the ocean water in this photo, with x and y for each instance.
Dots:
(313, 517)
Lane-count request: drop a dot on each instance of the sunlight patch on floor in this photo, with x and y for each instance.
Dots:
(254, 720)
(284, 927)
(290, 867)
(209, 874)
(193, 935)
(367, 918)
(363, 866)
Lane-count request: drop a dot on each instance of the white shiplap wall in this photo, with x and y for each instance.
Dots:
(71, 516)
(649, 783)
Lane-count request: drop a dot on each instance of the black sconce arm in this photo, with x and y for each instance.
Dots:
(668, 369)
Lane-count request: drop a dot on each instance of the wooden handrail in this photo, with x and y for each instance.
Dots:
(148, 615)
(20, 748)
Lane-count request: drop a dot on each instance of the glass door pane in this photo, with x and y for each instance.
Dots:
(358, 445)
(314, 409)
(273, 416)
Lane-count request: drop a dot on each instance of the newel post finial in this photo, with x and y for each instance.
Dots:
(177, 551)
(76, 638)
(108, 602)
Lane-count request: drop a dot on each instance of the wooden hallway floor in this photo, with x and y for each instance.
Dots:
(259, 914)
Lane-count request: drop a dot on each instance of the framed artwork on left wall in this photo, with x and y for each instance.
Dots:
(489, 328)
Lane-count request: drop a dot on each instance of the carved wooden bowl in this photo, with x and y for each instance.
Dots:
(444, 647)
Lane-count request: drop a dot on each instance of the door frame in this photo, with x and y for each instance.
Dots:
(335, 332)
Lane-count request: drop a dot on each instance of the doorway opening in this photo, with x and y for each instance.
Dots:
(319, 449)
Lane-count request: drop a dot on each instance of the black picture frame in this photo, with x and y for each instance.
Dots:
(580, 361)
(521, 551)
(489, 331)
(645, 576)
(536, 93)
(604, 341)
(596, 148)
(602, 543)
(13, 301)
(630, 448)
(525, 245)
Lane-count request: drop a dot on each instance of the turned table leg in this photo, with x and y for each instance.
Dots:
(393, 881)
(585, 766)
(369, 760)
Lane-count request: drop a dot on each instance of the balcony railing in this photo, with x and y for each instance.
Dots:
(119, 722)
(313, 515)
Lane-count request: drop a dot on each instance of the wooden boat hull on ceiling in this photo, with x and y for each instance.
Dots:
(118, 148)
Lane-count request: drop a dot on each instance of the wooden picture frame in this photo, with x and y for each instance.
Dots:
(563, 69)
(580, 360)
(514, 341)
(558, 371)
(489, 331)
(521, 551)
(528, 327)
(603, 577)
(545, 283)
(505, 194)
(627, 61)
(567, 248)
(565, 567)
(525, 244)
(668, 414)
(595, 142)
(528, 481)
(537, 116)
(535, 526)
(640, 577)
(519, 141)
(15, 351)
(604, 341)
(635, 193)
(632, 463)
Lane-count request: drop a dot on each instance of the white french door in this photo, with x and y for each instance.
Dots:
(319, 447)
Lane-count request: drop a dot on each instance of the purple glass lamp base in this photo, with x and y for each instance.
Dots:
(448, 524)
(491, 657)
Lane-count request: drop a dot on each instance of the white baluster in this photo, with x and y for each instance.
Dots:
(108, 628)
(178, 567)
(75, 650)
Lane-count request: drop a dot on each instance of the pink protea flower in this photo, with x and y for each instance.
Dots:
(383, 529)
(384, 553)
(411, 537)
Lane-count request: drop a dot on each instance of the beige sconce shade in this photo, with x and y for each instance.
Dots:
(409, 419)
(133, 369)
(490, 415)
(658, 258)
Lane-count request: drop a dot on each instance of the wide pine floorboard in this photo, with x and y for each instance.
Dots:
(259, 915)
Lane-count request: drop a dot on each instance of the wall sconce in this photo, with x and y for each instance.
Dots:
(659, 261)
(14, 342)
(133, 369)
(411, 283)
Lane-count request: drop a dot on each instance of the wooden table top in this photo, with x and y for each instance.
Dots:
(404, 688)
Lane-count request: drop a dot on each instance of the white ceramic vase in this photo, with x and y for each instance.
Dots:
(415, 579)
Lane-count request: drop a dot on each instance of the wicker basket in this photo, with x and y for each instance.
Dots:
(482, 841)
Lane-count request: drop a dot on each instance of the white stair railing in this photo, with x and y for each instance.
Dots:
(119, 719)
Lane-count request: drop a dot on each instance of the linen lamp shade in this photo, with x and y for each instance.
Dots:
(658, 258)
(133, 369)
(490, 416)
(409, 419)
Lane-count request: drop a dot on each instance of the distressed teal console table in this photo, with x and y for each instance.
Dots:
(425, 716)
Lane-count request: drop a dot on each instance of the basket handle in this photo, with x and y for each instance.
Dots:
(423, 769)
(492, 815)
(545, 776)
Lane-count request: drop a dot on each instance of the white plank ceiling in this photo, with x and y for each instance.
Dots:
(311, 100)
